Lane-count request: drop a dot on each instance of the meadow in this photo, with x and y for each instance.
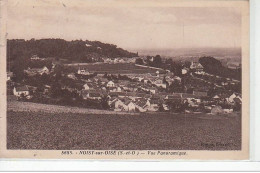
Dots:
(118, 68)
(34, 128)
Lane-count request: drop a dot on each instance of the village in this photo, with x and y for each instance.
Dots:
(157, 90)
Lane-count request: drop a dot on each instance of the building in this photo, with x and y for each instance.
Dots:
(110, 84)
(142, 105)
(86, 86)
(19, 91)
(35, 57)
(83, 71)
(184, 71)
(34, 71)
(94, 95)
(196, 66)
(72, 76)
(9, 75)
(234, 65)
(130, 106)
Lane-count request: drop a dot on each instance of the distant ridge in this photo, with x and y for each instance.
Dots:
(194, 52)
(76, 50)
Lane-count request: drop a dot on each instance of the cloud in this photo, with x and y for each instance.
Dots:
(128, 27)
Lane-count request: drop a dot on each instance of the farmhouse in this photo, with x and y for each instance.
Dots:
(9, 75)
(83, 71)
(110, 84)
(86, 86)
(184, 71)
(234, 65)
(95, 95)
(35, 57)
(196, 66)
(72, 76)
(217, 110)
(118, 105)
(154, 105)
(34, 71)
(130, 105)
(19, 91)
(142, 105)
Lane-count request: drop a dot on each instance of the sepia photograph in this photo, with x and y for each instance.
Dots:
(95, 78)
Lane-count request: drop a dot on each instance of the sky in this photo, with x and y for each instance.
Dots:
(130, 27)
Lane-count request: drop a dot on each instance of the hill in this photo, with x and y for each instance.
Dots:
(215, 67)
(77, 50)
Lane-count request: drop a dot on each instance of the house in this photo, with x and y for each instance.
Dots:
(110, 84)
(173, 97)
(142, 105)
(196, 66)
(86, 86)
(71, 76)
(130, 105)
(234, 65)
(228, 111)
(83, 71)
(154, 104)
(190, 98)
(34, 71)
(216, 97)
(177, 78)
(9, 75)
(115, 89)
(217, 110)
(157, 73)
(95, 95)
(19, 91)
(231, 98)
(118, 105)
(102, 80)
(184, 71)
(152, 90)
(35, 57)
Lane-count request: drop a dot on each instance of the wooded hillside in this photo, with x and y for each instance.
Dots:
(78, 50)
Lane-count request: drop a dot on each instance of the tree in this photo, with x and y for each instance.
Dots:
(157, 62)
(187, 64)
(169, 61)
(161, 109)
(139, 61)
(176, 69)
(104, 102)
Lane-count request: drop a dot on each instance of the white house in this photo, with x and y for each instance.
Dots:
(18, 91)
(86, 87)
(231, 98)
(9, 75)
(35, 57)
(110, 84)
(34, 71)
(83, 71)
(130, 106)
(44, 70)
(196, 66)
(184, 71)
(119, 105)
(71, 76)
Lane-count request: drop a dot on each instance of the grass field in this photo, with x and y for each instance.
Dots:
(119, 68)
(39, 129)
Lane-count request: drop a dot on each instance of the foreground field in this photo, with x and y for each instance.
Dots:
(67, 130)
(119, 68)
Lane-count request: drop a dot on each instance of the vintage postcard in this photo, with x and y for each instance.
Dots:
(125, 79)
